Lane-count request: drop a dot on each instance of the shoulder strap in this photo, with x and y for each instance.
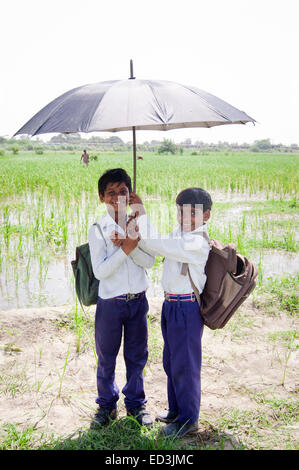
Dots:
(204, 235)
(100, 230)
(184, 269)
(195, 290)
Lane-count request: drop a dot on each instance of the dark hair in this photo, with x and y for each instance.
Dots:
(195, 196)
(116, 175)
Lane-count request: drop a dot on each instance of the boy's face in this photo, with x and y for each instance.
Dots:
(190, 218)
(116, 198)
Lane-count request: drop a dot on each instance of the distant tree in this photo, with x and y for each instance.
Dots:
(263, 144)
(14, 149)
(167, 146)
(66, 139)
(114, 140)
(58, 139)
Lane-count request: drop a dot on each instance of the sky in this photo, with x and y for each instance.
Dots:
(243, 51)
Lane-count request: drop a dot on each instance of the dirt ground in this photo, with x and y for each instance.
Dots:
(45, 383)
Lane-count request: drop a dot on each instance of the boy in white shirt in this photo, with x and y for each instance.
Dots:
(120, 266)
(181, 322)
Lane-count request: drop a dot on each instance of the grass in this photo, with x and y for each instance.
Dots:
(268, 427)
(286, 292)
(279, 294)
(61, 174)
(123, 434)
(13, 383)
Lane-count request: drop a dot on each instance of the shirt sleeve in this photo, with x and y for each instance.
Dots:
(190, 248)
(102, 265)
(141, 258)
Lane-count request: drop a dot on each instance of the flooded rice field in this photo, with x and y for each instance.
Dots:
(56, 286)
(48, 203)
(39, 235)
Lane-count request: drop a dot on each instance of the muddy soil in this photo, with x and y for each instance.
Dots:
(45, 383)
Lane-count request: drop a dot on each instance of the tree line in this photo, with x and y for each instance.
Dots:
(75, 142)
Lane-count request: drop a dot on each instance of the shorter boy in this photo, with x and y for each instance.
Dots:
(120, 265)
(181, 322)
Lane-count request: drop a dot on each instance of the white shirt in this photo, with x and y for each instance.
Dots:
(178, 248)
(117, 272)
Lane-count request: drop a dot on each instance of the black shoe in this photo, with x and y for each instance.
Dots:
(141, 415)
(167, 416)
(103, 417)
(178, 430)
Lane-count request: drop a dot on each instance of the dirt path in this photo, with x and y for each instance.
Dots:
(45, 383)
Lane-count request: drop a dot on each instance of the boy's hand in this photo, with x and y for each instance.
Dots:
(129, 244)
(132, 230)
(117, 238)
(135, 199)
(136, 204)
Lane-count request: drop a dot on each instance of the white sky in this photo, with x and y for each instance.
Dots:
(243, 51)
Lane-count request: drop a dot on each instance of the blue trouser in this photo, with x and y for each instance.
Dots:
(111, 317)
(182, 327)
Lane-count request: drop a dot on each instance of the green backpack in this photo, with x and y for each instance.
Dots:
(87, 286)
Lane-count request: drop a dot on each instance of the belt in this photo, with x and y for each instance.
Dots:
(180, 297)
(128, 297)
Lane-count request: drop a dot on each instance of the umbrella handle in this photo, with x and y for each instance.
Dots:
(134, 159)
(131, 70)
(134, 136)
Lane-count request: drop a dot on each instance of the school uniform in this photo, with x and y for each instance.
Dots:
(122, 304)
(181, 322)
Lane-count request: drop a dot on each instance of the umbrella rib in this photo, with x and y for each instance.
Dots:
(208, 104)
(157, 102)
(164, 121)
(92, 116)
(97, 107)
(44, 122)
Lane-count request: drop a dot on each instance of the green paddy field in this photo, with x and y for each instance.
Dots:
(48, 202)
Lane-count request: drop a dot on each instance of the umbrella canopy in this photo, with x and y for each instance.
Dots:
(132, 104)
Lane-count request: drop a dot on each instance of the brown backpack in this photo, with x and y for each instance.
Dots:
(231, 277)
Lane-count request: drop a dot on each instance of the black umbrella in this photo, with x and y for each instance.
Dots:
(132, 104)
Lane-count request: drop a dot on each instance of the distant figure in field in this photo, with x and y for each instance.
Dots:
(85, 158)
(139, 157)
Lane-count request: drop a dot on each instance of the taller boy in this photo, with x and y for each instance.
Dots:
(181, 322)
(119, 265)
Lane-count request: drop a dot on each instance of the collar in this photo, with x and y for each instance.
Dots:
(107, 222)
(202, 228)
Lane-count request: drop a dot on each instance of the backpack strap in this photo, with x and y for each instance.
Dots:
(195, 290)
(77, 286)
(185, 269)
(77, 278)
(101, 232)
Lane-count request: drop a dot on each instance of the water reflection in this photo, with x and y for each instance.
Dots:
(57, 288)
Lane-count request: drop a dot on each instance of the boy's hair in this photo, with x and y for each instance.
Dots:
(195, 196)
(116, 175)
